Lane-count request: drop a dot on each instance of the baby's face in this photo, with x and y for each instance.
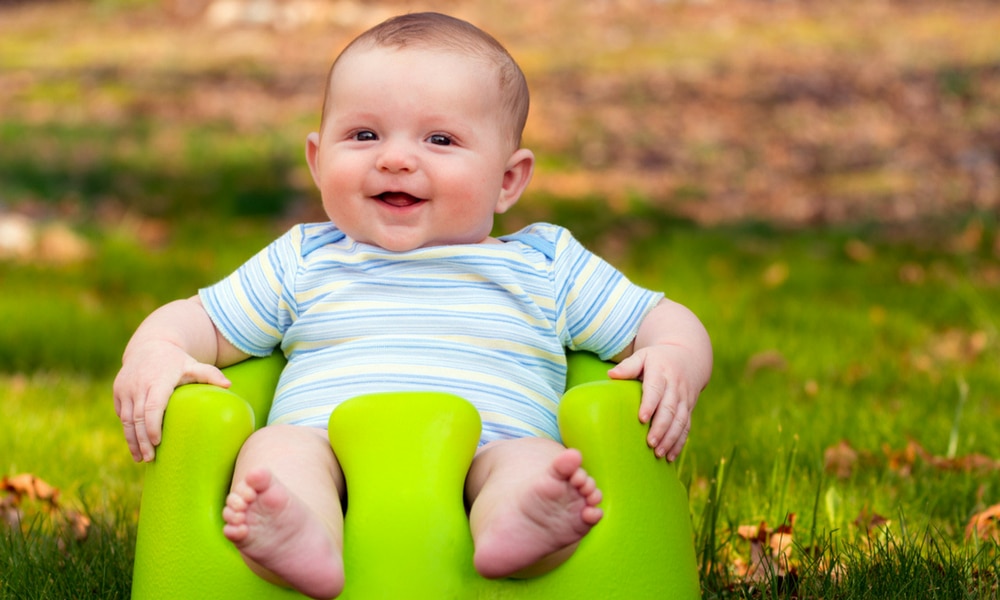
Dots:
(413, 151)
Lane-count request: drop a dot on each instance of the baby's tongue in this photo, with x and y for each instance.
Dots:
(399, 199)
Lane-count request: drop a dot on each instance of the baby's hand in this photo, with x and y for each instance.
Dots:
(671, 383)
(142, 388)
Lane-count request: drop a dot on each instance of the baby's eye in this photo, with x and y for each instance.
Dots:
(365, 136)
(439, 140)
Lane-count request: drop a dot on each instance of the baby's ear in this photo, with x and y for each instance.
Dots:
(520, 166)
(312, 155)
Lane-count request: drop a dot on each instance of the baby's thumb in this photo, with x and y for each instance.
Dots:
(204, 373)
(630, 368)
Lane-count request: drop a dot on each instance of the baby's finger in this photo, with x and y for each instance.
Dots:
(132, 441)
(659, 426)
(123, 407)
(205, 373)
(675, 437)
(629, 368)
(142, 437)
(156, 403)
(654, 391)
(675, 450)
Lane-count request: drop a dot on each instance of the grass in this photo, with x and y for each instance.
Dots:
(853, 349)
(61, 427)
(39, 563)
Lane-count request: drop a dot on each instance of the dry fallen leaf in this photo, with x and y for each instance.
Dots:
(781, 544)
(858, 251)
(903, 461)
(25, 487)
(870, 521)
(985, 525)
(10, 512)
(768, 359)
(770, 551)
(840, 460)
(776, 274)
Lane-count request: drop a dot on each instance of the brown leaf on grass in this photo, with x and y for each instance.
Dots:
(770, 551)
(781, 543)
(840, 459)
(78, 524)
(760, 564)
(753, 532)
(768, 359)
(858, 251)
(10, 513)
(776, 274)
(967, 463)
(870, 520)
(25, 488)
(27, 485)
(958, 346)
(985, 525)
(903, 461)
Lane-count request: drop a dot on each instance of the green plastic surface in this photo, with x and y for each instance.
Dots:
(406, 532)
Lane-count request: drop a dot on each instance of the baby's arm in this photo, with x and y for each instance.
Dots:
(176, 344)
(672, 354)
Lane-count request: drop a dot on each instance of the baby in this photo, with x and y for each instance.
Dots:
(404, 289)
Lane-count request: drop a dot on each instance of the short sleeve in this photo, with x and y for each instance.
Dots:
(601, 308)
(248, 307)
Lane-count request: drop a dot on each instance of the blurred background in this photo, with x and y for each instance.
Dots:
(792, 112)
(148, 119)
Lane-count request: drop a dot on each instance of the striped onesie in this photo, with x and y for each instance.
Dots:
(487, 322)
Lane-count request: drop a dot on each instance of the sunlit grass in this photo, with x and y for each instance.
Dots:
(817, 340)
(62, 428)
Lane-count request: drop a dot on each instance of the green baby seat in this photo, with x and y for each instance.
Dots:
(406, 531)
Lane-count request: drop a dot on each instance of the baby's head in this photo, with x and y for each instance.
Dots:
(438, 32)
(420, 139)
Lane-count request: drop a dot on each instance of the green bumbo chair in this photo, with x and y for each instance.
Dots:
(407, 537)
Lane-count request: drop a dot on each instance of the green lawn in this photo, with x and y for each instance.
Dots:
(819, 338)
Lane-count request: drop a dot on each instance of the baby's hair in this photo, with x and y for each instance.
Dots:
(436, 31)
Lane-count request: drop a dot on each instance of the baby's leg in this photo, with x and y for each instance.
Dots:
(284, 513)
(531, 503)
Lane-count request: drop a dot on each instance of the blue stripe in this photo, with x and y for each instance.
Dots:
(355, 319)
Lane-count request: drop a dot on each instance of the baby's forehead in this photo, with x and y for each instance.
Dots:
(364, 57)
(427, 51)
(374, 63)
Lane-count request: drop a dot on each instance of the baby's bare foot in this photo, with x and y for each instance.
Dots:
(280, 534)
(553, 514)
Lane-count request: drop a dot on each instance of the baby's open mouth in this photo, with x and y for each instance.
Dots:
(399, 199)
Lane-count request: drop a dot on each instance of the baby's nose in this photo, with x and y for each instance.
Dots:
(396, 157)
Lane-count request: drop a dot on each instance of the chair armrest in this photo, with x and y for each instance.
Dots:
(255, 380)
(644, 545)
(584, 367)
(180, 551)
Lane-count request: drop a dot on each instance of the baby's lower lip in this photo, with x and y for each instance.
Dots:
(399, 199)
